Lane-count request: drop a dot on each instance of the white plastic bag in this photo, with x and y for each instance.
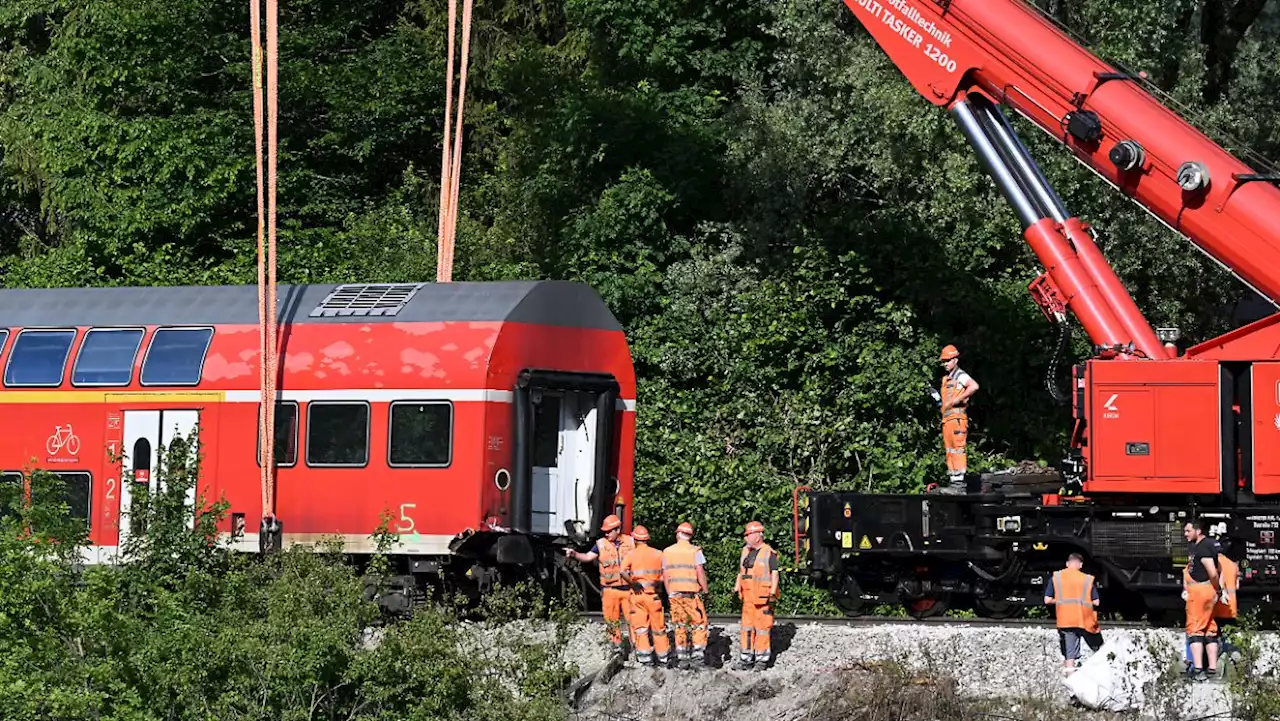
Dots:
(1107, 681)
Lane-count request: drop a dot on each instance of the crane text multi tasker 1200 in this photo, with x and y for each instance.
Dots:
(1158, 437)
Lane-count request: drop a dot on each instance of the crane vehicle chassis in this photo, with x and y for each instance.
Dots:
(1159, 436)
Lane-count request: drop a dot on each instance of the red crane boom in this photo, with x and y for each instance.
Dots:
(952, 51)
(1187, 425)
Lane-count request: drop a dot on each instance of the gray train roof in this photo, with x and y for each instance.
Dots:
(551, 302)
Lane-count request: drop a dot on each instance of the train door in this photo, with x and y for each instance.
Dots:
(146, 435)
(564, 437)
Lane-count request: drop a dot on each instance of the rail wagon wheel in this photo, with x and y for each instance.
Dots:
(930, 604)
(573, 586)
(848, 596)
(997, 608)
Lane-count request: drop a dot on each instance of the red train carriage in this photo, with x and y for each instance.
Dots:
(492, 420)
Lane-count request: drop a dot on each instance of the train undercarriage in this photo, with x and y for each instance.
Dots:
(993, 550)
(481, 564)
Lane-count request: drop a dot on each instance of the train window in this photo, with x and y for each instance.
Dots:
(421, 433)
(106, 357)
(4, 336)
(38, 358)
(286, 434)
(176, 356)
(10, 493)
(76, 492)
(546, 432)
(337, 433)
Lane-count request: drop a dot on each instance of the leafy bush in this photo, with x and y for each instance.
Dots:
(182, 628)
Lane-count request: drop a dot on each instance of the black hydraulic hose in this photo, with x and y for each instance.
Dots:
(1015, 567)
(1055, 364)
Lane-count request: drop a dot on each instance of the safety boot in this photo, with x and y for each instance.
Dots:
(741, 665)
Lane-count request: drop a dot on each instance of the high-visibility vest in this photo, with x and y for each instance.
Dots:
(1229, 581)
(756, 580)
(611, 557)
(1073, 600)
(645, 565)
(681, 562)
(950, 390)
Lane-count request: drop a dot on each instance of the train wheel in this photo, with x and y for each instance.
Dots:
(572, 589)
(848, 596)
(932, 604)
(997, 609)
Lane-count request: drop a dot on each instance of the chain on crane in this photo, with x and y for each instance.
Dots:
(270, 531)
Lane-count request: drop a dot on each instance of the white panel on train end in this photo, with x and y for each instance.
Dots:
(564, 461)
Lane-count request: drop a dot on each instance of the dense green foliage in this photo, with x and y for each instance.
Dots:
(787, 231)
(184, 629)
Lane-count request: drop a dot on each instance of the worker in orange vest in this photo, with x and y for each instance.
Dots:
(1074, 596)
(1226, 605)
(615, 598)
(757, 586)
(684, 575)
(957, 388)
(1201, 595)
(643, 572)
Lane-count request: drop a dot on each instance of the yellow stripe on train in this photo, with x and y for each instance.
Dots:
(105, 396)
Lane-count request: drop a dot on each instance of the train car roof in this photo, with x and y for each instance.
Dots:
(548, 302)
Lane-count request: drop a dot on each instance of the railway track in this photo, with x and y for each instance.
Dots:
(726, 619)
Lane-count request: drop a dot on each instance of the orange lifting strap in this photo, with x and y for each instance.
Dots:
(451, 161)
(269, 533)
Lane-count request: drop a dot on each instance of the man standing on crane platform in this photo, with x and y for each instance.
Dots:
(957, 388)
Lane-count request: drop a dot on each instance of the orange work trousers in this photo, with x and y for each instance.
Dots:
(756, 628)
(616, 605)
(649, 628)
(1201, 626)
(955, 436)
(689, 617)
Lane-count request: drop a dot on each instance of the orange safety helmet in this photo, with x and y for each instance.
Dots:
(640, 533)
(754, 527)
(950, 352)
(685, 527)
(610, 522)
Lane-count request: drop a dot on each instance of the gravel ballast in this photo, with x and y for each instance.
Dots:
(1020, 665)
